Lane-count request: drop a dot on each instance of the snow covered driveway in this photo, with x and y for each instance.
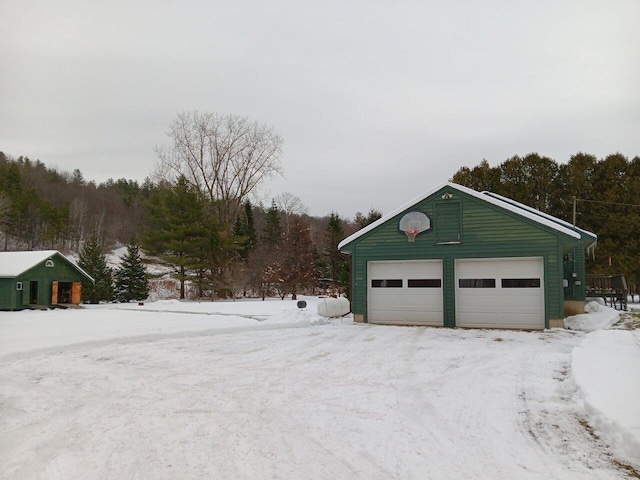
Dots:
(332, 401)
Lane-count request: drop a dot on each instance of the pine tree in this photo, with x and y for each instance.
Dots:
(244, 230)
(362, 221)
(93, 261)
(272, 234)
(251, 232)
(131, 281)
(177, 231)
(336, 267)
(215, 252)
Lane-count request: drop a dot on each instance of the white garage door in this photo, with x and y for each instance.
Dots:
(500, 293)
(406, 292)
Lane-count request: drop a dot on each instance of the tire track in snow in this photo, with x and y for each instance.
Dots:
(357, 401)
(552, 422)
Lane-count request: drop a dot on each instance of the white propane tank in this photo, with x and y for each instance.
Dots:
(333, 307)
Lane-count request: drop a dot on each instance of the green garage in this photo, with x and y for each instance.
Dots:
(455, 257)
(39, 279)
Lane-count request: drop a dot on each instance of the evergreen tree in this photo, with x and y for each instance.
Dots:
(371, 217)
(251, 232)
(605, 193)
(240, 226)
(272, 234)
(336, 267)
(131, 281)
(482, 177)
(215, 252)
(177, 231)
(245, 230)
(93, 261)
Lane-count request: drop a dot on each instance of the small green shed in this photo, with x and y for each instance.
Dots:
(456, 257)
(38, 279)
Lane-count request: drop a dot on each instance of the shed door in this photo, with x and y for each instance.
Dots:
(500, 293)
(405, 292)
(76, 292)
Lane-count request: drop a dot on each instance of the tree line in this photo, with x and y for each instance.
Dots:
(41, 207)
(195, 218)
(605, 193)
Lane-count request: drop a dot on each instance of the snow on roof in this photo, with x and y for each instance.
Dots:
(526, 213)
(13, 264)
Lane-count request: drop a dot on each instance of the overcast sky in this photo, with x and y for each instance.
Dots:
(377, 101)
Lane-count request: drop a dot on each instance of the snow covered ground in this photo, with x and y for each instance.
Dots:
(257, 390)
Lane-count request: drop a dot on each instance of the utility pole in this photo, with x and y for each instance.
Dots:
(574, 210)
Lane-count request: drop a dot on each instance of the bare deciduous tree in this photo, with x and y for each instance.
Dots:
(289, 205)
(225, 157)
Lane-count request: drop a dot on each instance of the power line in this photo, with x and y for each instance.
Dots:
(607, 203)
(575, 201)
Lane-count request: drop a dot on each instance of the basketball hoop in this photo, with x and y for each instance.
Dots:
(413, 223)
(411, 234)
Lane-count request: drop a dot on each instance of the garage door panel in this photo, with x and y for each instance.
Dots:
(478, 320)
(517, 302)
(531, 322)
(402, 303)
(471, 305)
(418, 302)
(526, 303)
(411, 318)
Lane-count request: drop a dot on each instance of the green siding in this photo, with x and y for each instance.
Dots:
(449, 288)
(7, 293)
(487, 232)
(575, 263)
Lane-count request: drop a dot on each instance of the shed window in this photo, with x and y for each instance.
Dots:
(48, 263)
(520, 283)
(393, 283)
(424, 283)
(19, 286)
(477, 283)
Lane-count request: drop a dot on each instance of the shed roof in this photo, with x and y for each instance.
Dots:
(501, 202)
(13, 264)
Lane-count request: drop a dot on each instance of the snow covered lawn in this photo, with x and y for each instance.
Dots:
(258, 390)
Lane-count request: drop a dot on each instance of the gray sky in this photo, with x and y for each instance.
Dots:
(377, 101)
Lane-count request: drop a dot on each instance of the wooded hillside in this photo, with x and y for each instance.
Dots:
(258, 249)
(42, 208)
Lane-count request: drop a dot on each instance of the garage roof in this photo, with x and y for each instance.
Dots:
(501, 202)
(591, 236)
